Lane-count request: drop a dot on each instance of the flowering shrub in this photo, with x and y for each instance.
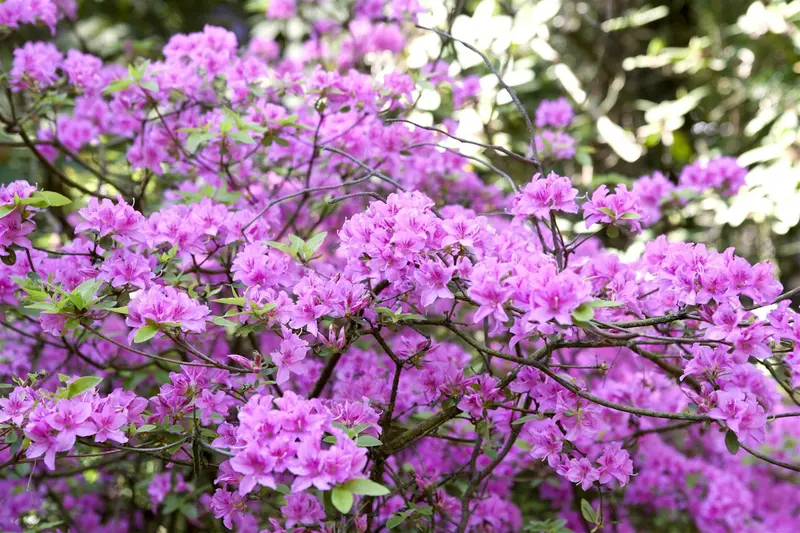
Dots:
(248, 292)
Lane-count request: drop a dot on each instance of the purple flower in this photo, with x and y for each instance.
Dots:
(556, 113)
(166, 306)
(620, 208)
(16, 406)
(35, 66)
(228, 506)
(302, 508)
(432, 278)
(722, 173)
(289, 356)
(123, 268)
(582, 471)
(543, 195)
(108, 218)
(614, 464)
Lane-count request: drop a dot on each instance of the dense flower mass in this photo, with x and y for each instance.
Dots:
(274, 302)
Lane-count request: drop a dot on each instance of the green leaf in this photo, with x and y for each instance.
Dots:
(82, 295)
(732, 442)
(365, 441)
(283, 489)
(526, 418)
(630, 215)
(117, 86)
(366, 487)
(241, 136)
(313, 244)
(588, 512)
(231, 301)
(342, 499)
(54, 199)
(195, 139)
(584, 313)
(121, 310)
(145, 333)
(189, 511)
(224, 322)
(395, 521)
(5, 210)
(81, 385)
(150, 85)
(145, 428)
(608, 212)
(282, 247)
(596, 304)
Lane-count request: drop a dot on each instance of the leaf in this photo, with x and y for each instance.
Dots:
(283, 489)
(596, 304)
(82, 295)
(195, 139)
(5, 210)
(342, 499)
(188, 510)
(313, 244)
(241, 136)
(224, 322)
(732, 442)
(366, 487)
(630, 215)
(608, 212)
(395, 521)
(365, 441)
(117, 86)
(145, 428)
(121, 310)
(54, 199)
(231, 301)
(150, 85)
(526, 418)
(145, 333)
(81, 385)
(588, 512)
(584, 313)
(280, 246)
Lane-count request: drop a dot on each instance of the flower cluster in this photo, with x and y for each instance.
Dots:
(276, 303)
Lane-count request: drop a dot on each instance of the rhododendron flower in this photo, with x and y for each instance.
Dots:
(543, 195)
(556, 113)
(16, 406)
(289, 357)
(302, 508)
(620, 208)
(166, 306)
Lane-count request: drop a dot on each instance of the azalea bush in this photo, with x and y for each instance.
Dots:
(247, 288)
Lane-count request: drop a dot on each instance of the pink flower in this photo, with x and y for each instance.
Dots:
(35, 66)
(542, 195)
(123, 268)
(556, 113)
(620, 208)
(228, 506)
(302, 508)
(289, 356)
(16, 406)
(432, 278)
(107, 425)
(167, 306)
(582, 471)
(108, 218)
(614, 464)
